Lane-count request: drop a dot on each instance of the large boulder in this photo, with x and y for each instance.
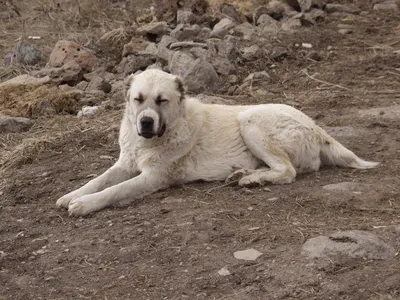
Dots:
(67, 51)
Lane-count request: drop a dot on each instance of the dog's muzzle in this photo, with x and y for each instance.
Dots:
(147, 128)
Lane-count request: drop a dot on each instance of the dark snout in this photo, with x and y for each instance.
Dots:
(147, 123)
(146, 127)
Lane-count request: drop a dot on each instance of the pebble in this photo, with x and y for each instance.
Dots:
(224, 272)
(306, 45)
(248, 254)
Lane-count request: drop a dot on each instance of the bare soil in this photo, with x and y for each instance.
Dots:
(171, 244)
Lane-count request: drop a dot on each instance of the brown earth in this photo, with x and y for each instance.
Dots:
(171, 244)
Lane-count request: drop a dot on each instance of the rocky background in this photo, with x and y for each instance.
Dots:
(330, 235)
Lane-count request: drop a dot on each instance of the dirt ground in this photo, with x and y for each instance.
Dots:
(171, 244)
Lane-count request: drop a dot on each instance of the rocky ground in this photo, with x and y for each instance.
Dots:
(334, 234)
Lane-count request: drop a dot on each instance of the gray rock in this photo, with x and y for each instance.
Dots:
(99, 83)
(291, 24)
(201, 77)
(224, 272)
(26, 79)
(185, 17)
(157, 66)
(184, 32)
(389, 112)
(248, 254)
(255, 79)
(230, 11)
(14, 124)
(251, 53)
(350, 9)
(133, 63)
(24, 54)
(387, 6)
(353, 243)
(246, 31)
(179, 63)
(70, 73)
(82, 85)
(266, 19)
(208, 99)
(222, 28)
(314, 16)
(163, 52)
(221, 64)
(346, 186)
(267, 24)
(156, 28)
(204, 34)
(188, 44)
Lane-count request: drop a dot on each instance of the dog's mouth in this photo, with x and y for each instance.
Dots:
(151, 134)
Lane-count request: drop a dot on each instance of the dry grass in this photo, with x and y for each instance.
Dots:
(35, 100)
(51, 135)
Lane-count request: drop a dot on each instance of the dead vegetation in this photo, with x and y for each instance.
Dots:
(36, 100)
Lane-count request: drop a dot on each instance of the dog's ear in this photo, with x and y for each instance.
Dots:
(180, 87)
(128, 82)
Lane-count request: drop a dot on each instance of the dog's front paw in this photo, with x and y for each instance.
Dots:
(81, 206)
(237, 175)
(64, 201)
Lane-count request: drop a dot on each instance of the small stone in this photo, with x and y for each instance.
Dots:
(253, 228)
(345, 31)
(250, 208)
(66, 250)
(306, 45)
(224, 272)
(248, 254)
(267, 189)
(88, 111)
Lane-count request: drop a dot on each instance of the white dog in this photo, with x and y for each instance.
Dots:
(167, 139)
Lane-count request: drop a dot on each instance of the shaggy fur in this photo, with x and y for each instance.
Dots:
(168, 139)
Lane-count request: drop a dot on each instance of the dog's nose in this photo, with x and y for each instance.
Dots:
(147, 122)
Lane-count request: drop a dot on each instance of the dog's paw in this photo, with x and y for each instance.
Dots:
(250, 181)
(81, 207)
(64, 201)
(237, 175)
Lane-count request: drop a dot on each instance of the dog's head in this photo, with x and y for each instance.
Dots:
(154, 101)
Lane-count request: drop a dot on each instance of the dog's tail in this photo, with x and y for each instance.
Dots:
(334, 153)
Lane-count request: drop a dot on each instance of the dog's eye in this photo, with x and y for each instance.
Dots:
(139, 99)
(160, 101)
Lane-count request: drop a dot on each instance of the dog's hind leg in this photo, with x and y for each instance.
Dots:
(280, 169)
(112, 176)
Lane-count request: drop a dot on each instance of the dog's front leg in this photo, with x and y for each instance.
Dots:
(116, 174)
(144, 184)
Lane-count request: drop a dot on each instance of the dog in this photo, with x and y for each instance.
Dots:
(167, 139)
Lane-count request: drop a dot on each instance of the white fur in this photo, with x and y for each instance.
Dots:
(256, 144)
